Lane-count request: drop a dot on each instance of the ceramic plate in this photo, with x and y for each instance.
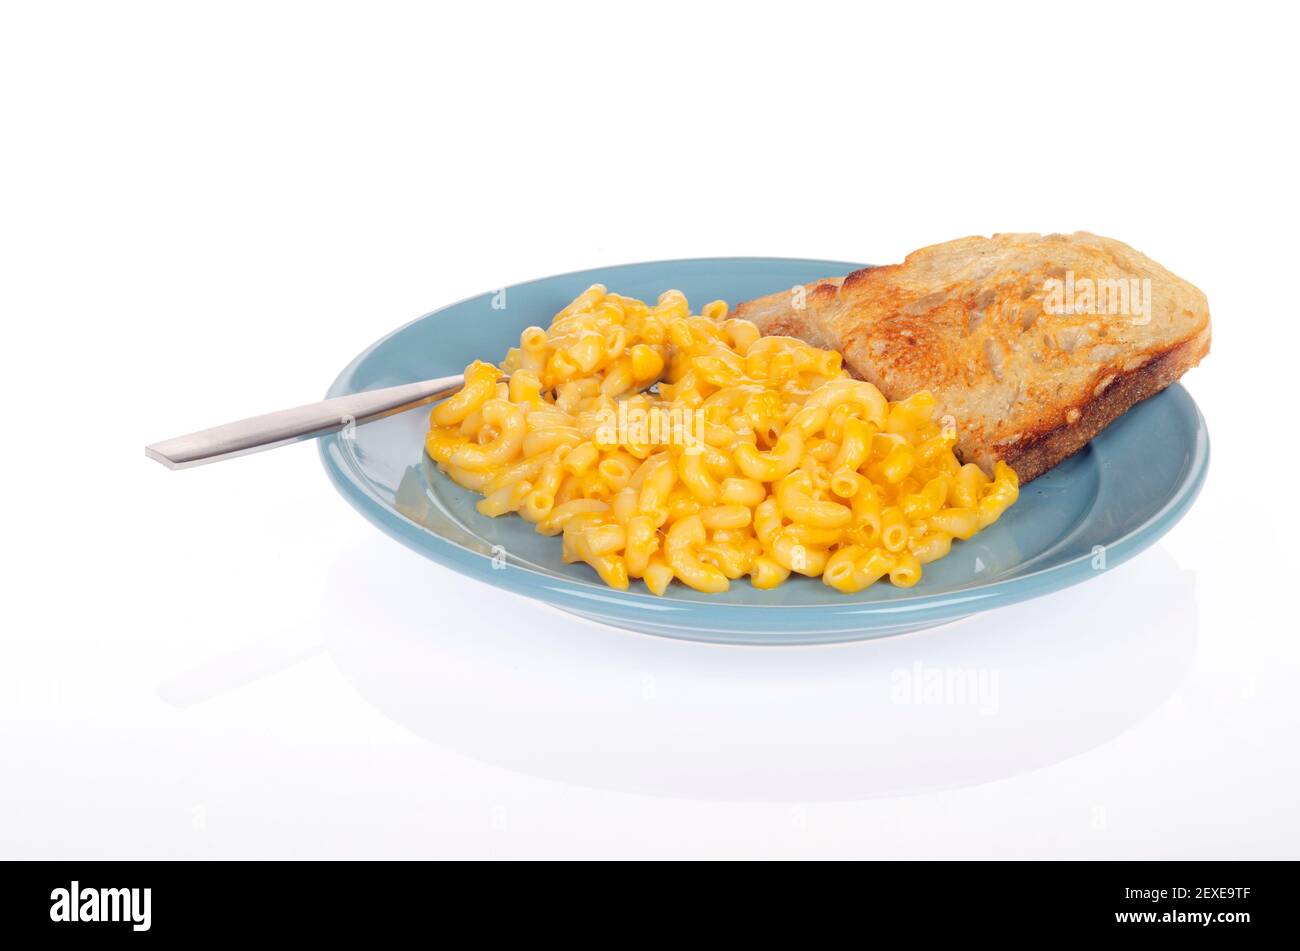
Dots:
(1088, 515)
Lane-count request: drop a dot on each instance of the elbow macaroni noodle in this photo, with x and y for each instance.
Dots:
(663, 445)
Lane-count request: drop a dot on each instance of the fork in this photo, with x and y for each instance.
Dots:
(294, 425)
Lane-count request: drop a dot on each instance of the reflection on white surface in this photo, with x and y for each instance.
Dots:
(516, 684)
(535, 690)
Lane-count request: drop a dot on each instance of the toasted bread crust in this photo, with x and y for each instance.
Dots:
(1035, 455)
(969, 320)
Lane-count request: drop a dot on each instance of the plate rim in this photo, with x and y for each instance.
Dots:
(824, 619)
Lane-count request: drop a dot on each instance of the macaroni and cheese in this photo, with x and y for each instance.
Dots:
(663, 445)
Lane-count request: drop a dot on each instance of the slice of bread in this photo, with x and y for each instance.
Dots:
(1032, 343)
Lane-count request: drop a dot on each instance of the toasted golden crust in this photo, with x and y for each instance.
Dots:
(1032, 343)
(1031, 458)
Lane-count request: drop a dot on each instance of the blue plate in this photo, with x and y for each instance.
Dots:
(1089, 514)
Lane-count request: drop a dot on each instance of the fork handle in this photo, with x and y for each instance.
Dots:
(294, 425)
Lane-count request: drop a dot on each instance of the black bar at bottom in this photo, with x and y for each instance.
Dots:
(135, 901)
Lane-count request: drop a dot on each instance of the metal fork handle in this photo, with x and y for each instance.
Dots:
(294, 425)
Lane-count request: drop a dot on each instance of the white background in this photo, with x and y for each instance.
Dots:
(208, 209)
